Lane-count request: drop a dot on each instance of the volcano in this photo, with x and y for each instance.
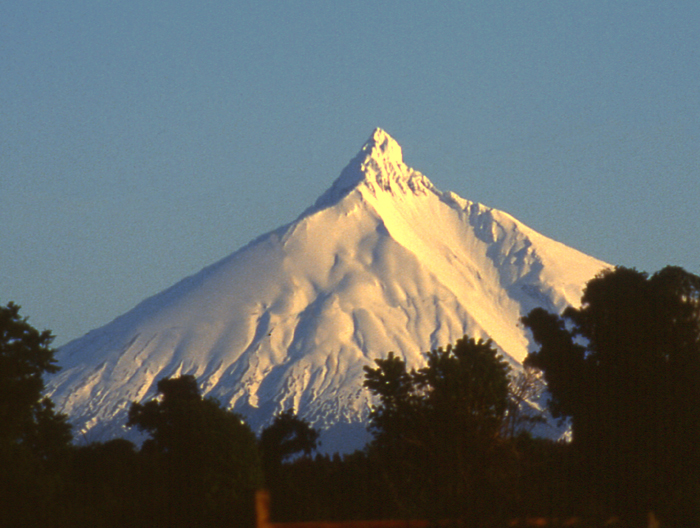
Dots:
(383, 261)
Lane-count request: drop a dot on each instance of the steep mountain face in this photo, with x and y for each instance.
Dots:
(382, 262)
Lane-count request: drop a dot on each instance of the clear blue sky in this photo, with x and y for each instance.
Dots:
(141, 141)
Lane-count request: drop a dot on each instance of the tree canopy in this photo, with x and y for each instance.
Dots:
(207, 456)
(26, 416)
(437, 430)
(287, 436)
(624, 367)
(32, 434)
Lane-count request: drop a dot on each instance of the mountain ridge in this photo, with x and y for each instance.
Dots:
(382, 261)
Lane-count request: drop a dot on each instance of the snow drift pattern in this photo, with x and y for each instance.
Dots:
(382, 262)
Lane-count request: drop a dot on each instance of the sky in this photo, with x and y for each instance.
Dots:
(141, 141)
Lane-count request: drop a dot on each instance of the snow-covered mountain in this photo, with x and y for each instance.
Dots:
(383, 261)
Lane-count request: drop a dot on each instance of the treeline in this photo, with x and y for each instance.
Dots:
(450, 440)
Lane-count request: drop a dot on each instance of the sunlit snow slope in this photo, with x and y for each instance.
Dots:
(382, 262)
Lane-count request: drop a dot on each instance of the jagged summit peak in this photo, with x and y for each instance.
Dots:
(382, 145)
(379, 165)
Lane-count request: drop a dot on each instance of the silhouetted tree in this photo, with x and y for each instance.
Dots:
(523, 414)
(437, 430)
(624, 367)
(33, 437)
(26, 417)
(207, 456)
(288, 440)
(287, 436)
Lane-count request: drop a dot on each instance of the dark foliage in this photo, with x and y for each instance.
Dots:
(109, 486)
(286, 437)
(26, 417)
(437, 431)
(33, 438)
(334, 488)
(625, 368)
(205, 458)
(545, 483)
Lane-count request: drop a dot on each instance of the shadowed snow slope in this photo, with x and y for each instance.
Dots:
(382, 262)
